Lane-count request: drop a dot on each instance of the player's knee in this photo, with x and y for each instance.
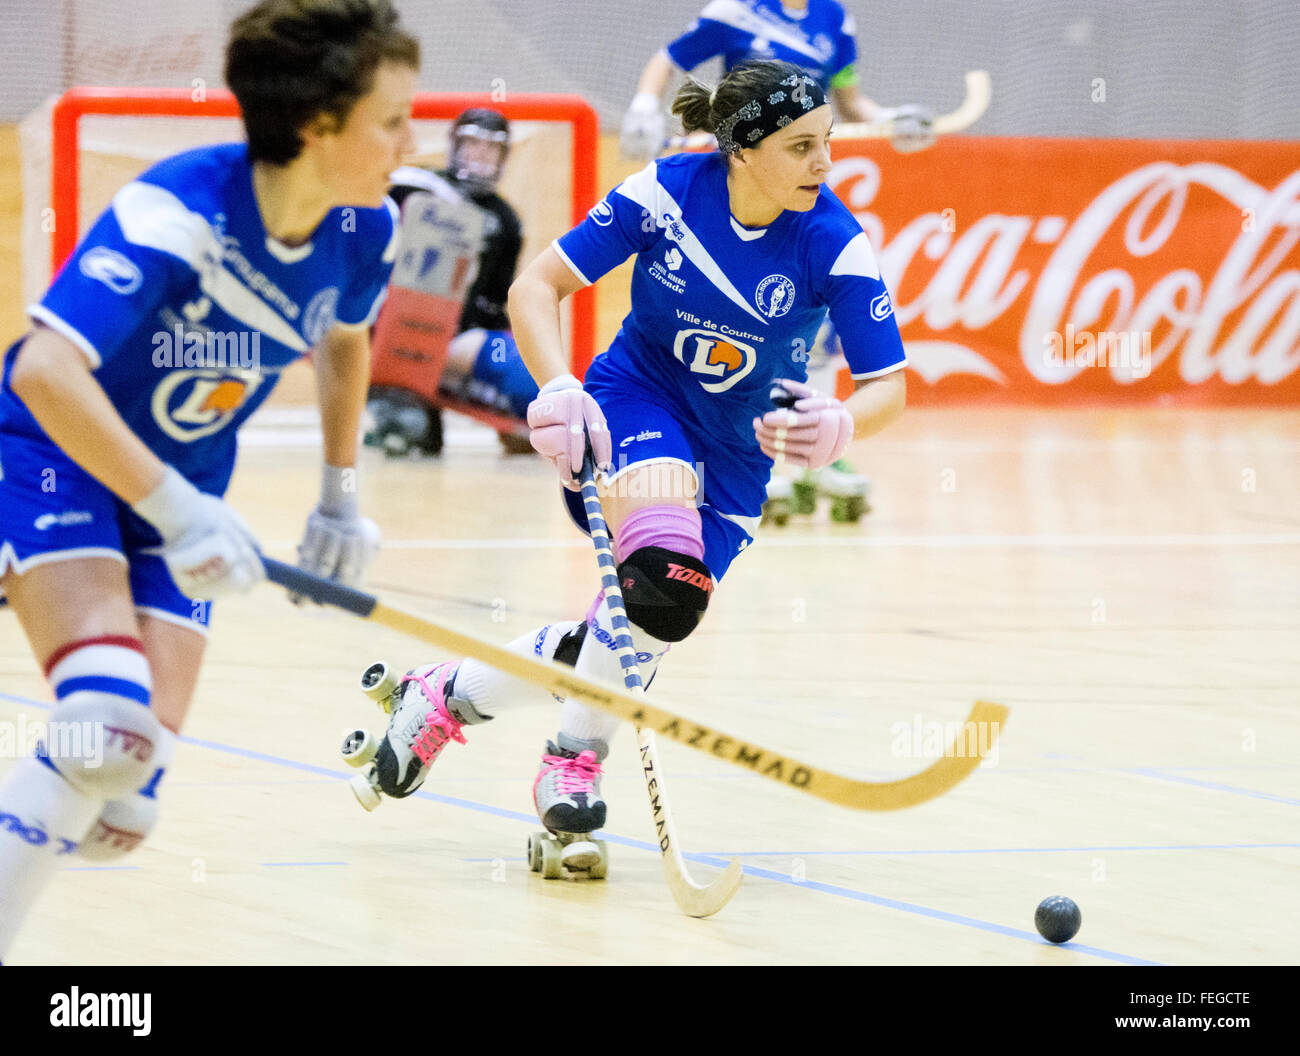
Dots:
(665, 592)
(102, 743)
(121, 827)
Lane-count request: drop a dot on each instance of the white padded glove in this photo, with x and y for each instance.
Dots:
(209, 550)
(644, 129)
(338, 543)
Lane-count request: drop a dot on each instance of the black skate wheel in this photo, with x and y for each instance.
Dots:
(535, 854)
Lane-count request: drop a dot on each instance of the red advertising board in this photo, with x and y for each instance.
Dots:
(1056, 271)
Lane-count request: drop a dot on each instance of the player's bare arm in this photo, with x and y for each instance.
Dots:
(342, 363)
(52, 377)
(534, 307)
(876, 402)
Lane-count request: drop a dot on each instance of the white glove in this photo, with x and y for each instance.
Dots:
(338, 542)
(208, 548)
(911, 127)
(644, 129)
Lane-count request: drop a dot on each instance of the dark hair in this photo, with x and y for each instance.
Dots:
(289, 61)
(703, 109)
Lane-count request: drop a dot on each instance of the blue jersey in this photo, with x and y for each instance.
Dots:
(719, 310)
(819, 39)
(189, 312)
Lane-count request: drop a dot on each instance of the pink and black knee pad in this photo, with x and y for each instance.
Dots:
(665, 592)
(666, 585)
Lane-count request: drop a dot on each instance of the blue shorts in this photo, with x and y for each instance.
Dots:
(53, 510)
(645, 427)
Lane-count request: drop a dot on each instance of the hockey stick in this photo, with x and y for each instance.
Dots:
(563, 681)
(979, 92)
(695, 900)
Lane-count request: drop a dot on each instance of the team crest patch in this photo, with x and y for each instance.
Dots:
(774, 296)
(319, 316)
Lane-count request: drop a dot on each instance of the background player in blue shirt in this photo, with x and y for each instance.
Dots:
(170, 324)
(816, 35)
(739, 256)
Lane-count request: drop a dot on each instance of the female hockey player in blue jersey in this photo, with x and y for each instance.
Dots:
(739, 256)
(168, 327)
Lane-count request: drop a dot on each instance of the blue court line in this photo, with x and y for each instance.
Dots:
(1009, 850)
(1215, 786)
(281, 865)
(765, 874)
(101, 868)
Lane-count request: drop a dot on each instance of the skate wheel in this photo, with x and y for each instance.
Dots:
(379, 682)
(359, 748)
(777, 511)
(535, 853)
(597, 871)
(580, 855)
(365, 792)
(552, 863)
(848, 510)
(395, 445)
(805, 496)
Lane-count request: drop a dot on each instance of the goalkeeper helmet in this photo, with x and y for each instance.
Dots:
(480, 139)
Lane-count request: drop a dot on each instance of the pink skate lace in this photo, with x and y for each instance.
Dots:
(577, 775)
(440, 727)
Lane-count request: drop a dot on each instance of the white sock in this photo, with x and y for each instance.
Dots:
(489, 690)
(599, 659)
(42, 819)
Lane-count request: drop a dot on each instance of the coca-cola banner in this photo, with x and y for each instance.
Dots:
(1064, 271)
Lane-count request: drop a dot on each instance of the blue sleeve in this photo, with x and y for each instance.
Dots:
(108, 288)
(615, 228)
(846, 48)
(360, 301)
(863, 312)
(703, 39)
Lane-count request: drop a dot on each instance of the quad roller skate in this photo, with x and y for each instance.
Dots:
(425, 718)
(780, 501)
(847, 491)
(567, 795)
(403, 423)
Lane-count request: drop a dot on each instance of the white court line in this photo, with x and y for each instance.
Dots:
(892, 542)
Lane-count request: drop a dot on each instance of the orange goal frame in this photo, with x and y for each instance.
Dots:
(65, 172)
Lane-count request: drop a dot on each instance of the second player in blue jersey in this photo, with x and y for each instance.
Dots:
(740, 255)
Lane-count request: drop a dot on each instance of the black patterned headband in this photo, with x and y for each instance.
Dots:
(793, 97)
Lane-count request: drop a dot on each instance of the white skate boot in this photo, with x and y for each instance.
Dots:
(426, 717)
(567, 796)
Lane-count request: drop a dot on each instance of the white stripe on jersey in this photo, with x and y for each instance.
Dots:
(741, 16)
(857, 258)
(645, 189)
(390, 250)
(571, 266)
(153, 217)
(43, 315)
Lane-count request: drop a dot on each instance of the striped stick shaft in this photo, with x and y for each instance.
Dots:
(609, 578)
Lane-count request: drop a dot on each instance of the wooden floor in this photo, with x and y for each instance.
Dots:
(1126, 583)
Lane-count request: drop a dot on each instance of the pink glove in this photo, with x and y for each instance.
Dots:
(812, 434)
(557, 419)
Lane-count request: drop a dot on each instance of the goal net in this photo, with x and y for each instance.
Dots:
(79, 149)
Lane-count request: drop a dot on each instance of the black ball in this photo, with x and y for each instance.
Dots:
(782, 397)
(1057, 919)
